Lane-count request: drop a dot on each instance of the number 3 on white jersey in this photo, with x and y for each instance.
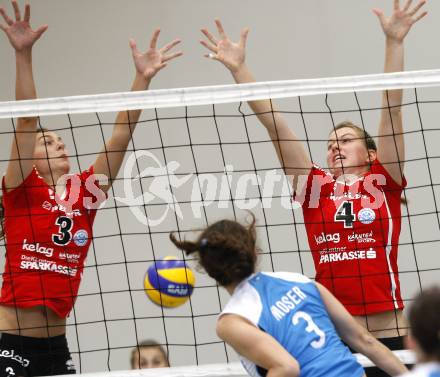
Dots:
(311, 327)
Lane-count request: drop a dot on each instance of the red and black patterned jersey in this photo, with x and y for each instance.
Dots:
(353, 232)
(46, 244)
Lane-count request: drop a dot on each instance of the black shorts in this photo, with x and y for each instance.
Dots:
(27, 356)
(394, 344)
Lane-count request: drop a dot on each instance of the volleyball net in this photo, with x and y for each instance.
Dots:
(199, 155)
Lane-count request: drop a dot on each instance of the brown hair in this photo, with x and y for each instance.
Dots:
(148, 344)
(2, 209)
(424, 319)
(226, 250)
(369, 141)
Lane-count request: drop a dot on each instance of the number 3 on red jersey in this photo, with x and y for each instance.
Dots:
(64, 232)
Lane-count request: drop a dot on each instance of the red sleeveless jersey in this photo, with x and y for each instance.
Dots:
(45, 246)
(353, 232)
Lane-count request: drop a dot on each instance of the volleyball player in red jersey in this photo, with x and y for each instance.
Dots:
(47, 243)
(353, 240)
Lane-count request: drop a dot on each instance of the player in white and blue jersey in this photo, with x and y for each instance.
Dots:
(289, 307)
(424, 338)
(281, 324)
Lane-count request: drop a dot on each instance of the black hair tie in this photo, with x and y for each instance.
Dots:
(203, 243)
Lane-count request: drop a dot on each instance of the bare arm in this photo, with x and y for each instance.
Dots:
(147, 65)
(391, 146)
(22, 38)
(291, 152)
(358, 337)
(257, 346)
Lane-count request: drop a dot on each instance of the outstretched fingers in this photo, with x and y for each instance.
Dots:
(133, 46)
(41, 30)
(171, 56)
(27, 13)
(209, 46)
(26, 18)
(419, 17)
(417, 7)
(153, 42)
(407, 5)
(380, 16)
(210, 37)
(169, 46)
(220, 29)
(243, 37)
(16, 10)
(6, 17)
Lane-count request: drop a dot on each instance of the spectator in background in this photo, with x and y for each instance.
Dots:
(424, 338)
(149, 354)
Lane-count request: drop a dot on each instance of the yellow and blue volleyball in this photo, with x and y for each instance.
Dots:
(169, 282)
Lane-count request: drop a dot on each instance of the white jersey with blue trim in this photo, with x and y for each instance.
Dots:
(289, 307)
(424, 370)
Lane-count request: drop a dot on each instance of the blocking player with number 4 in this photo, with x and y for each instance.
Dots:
(354, 241)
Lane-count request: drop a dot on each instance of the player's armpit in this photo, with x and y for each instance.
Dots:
(257, 346)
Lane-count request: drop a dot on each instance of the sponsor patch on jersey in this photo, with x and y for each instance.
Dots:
(361, 237)
(59, 208)
(43, 265)
(366, 216)
(70, 257)
(348, 255)
(37, 248)
(323, 237)
(80, 237)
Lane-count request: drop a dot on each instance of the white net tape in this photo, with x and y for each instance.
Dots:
(220, 370)
(216, 94)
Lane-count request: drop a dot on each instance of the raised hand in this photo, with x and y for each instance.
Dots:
(231, 54)
(153, 60)
(19, 32)
(397, 26)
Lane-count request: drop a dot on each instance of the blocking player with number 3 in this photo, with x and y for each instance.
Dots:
(281, 323)
(47, 243)
(353, 222)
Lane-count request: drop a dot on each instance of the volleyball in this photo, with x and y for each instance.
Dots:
(169, 282)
